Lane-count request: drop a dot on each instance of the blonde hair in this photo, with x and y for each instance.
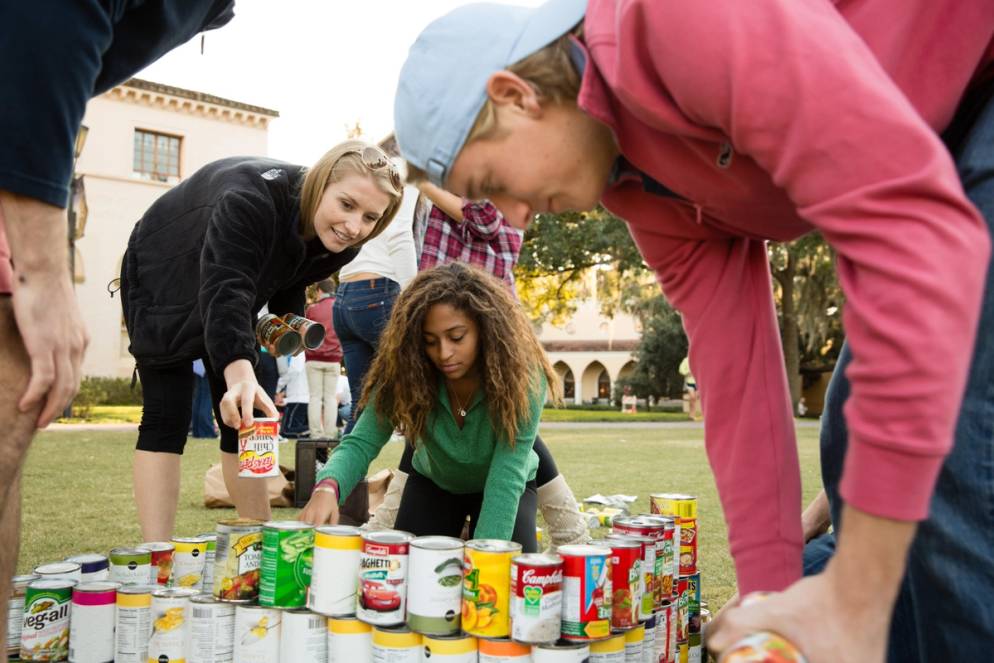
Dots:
(337, 163)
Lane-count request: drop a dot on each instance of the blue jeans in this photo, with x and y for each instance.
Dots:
(944, 611)
(202, 422)
(361, 311)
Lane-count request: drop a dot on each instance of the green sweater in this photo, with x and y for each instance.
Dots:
(471, 459)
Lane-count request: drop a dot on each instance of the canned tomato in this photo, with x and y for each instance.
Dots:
(93, 567)
(15, 612)
(762, 647)
(237, 560)
(257, 634)
(303, 637)
(503, 650)
(667, 633)
(170, 619)
(60, 571)
(91, 627)
(586, 592)
(626, 578)
(487, 587)
(258, 449)
(634, 638)
(162, 560)
(434, 592)
(536, 598)
(211, 631)
(610, 650)
(684, 509)
(383, 577)
(647, 577)
(278, 338)
(133, 623)
(335, 572)
(459, 648)
(396, 645)
(285, 571)
(311, 333)
(189, 558)
(662, 530)
(349, 640)
(649, 654)
(45, 629)
(565, 652)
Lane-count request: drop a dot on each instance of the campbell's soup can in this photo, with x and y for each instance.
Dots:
(189, 559)
(349, 640)
(536, 598)
(91, 624)
(335, 572)
(684, 509)
(459, 648)
(609, 650)
(634, 639)
(93, 567)
(162, 560)
(45, 628)
(285, 571)
(561, 652)
(586, 592)
(15, 612)
(383, 563)
(133, 623)
(434, 591)
(626, 579)
(212, 630)
(131, 566)
(667, 632)
(170, 624)
(258, 449)
(304, 637)
(60, 571)
(486, 593)
(257, 634)
(238, 556)
(647, 581)
(503, 650)
(663, 530)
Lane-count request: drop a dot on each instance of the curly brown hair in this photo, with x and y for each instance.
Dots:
(404, 380)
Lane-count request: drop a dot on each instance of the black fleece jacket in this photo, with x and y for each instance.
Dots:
(209, 254)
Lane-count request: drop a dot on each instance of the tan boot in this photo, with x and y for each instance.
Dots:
(385, 514)
(564, 524)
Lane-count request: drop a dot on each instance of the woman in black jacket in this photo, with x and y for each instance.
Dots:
(239, 234)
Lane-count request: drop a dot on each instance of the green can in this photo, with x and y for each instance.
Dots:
(45, 629)
(285, 573)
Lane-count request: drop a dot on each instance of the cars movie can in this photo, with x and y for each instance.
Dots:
(237, 560)
(133, 623)
(45, 628)
(586, 592)
(93, 567)
(91, 624)
(626, 579)
(304, 637)
(131, 566)
(189, 558)
(434, 591)
(15, 612)
(258, 449)
(285, 571)
(335, 572)
(536, 598)
(212, 630)
(162, 560)
(486, 590)
(382, 594)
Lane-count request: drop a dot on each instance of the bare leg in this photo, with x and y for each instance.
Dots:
(156, 484)
(249, 495)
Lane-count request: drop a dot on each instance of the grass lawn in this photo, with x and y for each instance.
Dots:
(108, 414)
(77, 487)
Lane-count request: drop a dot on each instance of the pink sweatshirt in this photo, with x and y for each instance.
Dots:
(769, 119)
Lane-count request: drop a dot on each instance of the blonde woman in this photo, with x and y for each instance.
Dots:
(239, 234)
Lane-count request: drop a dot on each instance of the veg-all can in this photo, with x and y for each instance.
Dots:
(45, 629)
(626, 579)
(93, 567)
(536, 598)
(487, 587)
(15, 612)
(162, 560)
(311, 333)
(461, 648)
(170, 620)
(610, 650)
(258, 449)
(586, 592)
(335, 573)
(91, 627)
(647, 580)
(211, 634)
(349, 640)
(649, 654)
(383, 562)
(684, 509)
(285, 573)
(131, 566)
(503, 650)
(434, 591)
(188, 562)
(634, 639)
(304, 637)
(60, 571)
(133, 623)
(667, 632)
(762, 647)
(210, 539)
(257, 634)
(237, 560)
(396, 645)
(565, 652)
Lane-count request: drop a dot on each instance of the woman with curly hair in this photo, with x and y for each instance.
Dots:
(460, 372)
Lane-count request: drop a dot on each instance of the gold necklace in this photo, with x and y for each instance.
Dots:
(461, 409)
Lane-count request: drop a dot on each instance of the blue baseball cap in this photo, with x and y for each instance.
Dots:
(443, 83)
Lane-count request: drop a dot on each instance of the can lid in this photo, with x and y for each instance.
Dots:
(129, 552)
(56, 567)
(656, 520)
(288, 525)
(156, 546)
(52, 583)
(137, 589)
(493, 545)
(339, 530)
(437, 543)
(208, 536)
(388, 536)
(208, 598)
(583, 550)
(25, 579)
(621, 536)
(87, 558)
(187, 539)
(238, 523)
(624, 542)
(537, 559)
(175, 592)
(97, 586)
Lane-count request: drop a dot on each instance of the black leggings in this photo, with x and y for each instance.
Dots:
(547, 470)
(427, 509)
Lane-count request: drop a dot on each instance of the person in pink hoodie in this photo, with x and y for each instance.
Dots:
(712, 127)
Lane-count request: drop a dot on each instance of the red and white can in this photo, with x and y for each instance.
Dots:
(647, 581)
(626, 577)
(536, 598)
(666, 633)
(383, 577)
(586, 592)
(162, 560)
(662, 530)
(258, 449)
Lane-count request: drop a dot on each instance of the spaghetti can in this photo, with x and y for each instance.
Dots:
(93, 567)
(562, 652)
(536, 598)
(383, 562)
(434, 591)
(335, 572)
(91, 626)
(60, 571)
(211, 633)
(161, 560)
(647, 580)
(396, 645)
(285, 569)
(210, 539)
(258, 449)
(133, 623)
(586, 592)
(667, 632)
(311, 333)
(460, 648)
(303, 637)
(278, 338)
(486, 593)
(634, 639)
(188, 562)
(15, 612)
(503, 650)
(257, 634)
(649, 654)
(609, 650)
(45, 628)
(349, 640)
(237, 560)
(626, 578)
(170, 624)
(131, 566)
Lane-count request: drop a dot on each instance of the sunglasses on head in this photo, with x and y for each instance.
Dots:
(376, 159)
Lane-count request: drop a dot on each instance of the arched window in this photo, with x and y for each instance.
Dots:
(604, 385)
(569, 385)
